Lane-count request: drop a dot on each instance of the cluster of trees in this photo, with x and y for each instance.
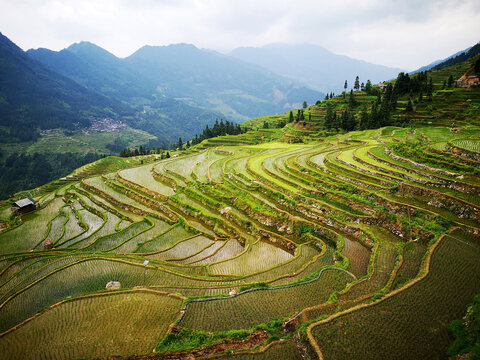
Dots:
(220, 128)
(378, 116)
(346, 120)
(278, 125)
(24, 171)
(467, 333)
(406, 84)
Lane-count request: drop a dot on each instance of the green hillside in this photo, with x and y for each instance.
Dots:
(441, 105)
(290, 240)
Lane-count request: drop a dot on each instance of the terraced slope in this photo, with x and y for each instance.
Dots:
(240, 232)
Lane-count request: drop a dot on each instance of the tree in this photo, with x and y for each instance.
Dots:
(290, 117)
(345, 86)
(356, 86)
(305, 105)
(477, 67)
(326, 97)
(265, 125)
(430, 88)
(450, 81)
(309, 116)
(351, 101)
(409, 106)
(180, 142)
(363, 119)
(368, 87)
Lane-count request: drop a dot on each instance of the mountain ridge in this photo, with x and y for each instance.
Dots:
(301, 62)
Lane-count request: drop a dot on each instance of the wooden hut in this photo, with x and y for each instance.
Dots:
(25, 205)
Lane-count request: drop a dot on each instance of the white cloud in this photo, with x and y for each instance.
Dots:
(405, 34)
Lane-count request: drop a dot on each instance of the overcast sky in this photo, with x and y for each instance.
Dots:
(399, 33)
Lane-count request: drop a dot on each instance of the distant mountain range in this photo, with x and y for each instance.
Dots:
(200, 79)
(314, 65)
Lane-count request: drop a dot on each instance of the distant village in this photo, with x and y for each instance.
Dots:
(106, 124)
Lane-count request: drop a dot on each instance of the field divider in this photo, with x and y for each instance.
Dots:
(326, 268)
(427, 265)
(196, 253)
(212, 254)
(99, 294)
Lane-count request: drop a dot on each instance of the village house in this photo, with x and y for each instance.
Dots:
(467, 81)
(382, 85)
(24, 205)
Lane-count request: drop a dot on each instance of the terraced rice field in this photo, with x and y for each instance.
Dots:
(245, 232)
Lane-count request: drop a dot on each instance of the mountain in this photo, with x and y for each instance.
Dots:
(211, 80)
(32, 97)
(178, 89)
(314, 65)
(435, 63)
(104, 73)
(96, 69)
(463, 56)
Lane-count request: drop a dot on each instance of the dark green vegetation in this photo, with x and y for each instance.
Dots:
(467, 332)
(360, 244)
(32, 97)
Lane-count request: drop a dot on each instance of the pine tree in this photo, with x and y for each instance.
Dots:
(430, 88)
(363, 119)
(336, 121)
(368, 87)
(356, 86)
(409, 106)
(180, 142)
(351, 101)
(290, 117)
(362, 86)
(450, 81)
(345, 86)
(305, 105)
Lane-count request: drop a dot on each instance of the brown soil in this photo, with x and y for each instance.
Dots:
(255, 339)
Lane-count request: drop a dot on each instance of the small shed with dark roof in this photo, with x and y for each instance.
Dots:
(25, 205)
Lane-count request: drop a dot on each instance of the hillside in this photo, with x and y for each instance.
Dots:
(432, 102)
(102, 72)
(313, 65)
(293, 242)
(33, 97)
